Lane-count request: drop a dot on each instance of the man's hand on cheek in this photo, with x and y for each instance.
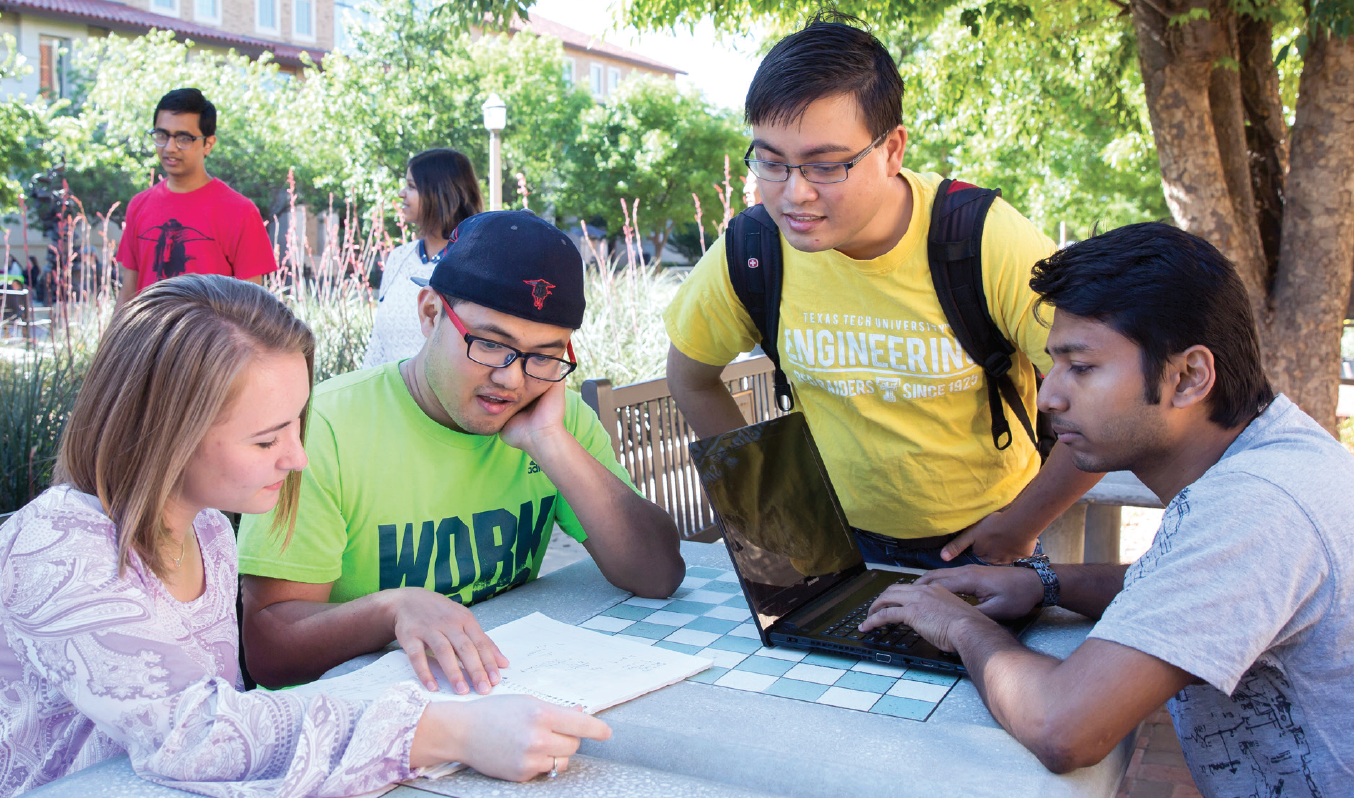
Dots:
(537, 421)
(932, 611)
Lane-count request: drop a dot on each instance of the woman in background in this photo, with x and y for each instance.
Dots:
(117, 585)
(440, 191)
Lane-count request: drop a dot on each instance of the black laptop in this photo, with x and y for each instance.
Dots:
(795, 555)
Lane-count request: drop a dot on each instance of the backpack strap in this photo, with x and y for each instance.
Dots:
(954, 249)
(752, 251)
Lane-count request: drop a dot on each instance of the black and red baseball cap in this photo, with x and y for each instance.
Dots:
(516, 263)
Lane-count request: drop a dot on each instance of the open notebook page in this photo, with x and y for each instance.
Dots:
(548, 659)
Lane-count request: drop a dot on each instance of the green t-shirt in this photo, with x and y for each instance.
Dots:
(391, 498)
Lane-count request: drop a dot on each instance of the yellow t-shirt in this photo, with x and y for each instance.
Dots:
(897, 407)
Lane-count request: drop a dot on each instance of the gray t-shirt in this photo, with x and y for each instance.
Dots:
(1248, 586)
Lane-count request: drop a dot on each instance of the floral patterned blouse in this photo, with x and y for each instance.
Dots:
(93, 664)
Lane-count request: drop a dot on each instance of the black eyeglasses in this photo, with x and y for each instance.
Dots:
(499, 355)
(162, 137)
(776, 172)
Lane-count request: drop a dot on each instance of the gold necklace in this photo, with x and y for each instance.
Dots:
(183, 545)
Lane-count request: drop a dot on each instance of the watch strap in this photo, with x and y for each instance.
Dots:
(1040, 565)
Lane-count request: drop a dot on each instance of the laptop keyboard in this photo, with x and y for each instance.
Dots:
(894, 635)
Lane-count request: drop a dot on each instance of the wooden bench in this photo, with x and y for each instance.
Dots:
(650, 438)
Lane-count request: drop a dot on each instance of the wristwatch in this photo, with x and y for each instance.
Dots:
(1039, 564)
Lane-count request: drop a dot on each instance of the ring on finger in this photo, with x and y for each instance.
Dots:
(554, 768)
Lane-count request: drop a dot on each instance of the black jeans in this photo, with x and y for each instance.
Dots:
(882, 550)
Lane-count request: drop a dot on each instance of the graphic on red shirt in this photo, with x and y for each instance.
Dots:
(212, 230)
(171, 246)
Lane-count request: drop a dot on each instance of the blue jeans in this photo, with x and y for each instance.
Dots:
(881, 550)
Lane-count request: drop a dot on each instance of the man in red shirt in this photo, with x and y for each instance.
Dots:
(190, 222)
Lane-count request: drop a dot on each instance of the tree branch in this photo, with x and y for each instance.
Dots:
(1229, 128)
(1177, 66)
(1266, 133)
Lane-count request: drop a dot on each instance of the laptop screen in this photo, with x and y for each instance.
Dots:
(781, 519)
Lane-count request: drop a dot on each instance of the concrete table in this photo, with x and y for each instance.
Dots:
(587, 777)
(1089, 530)
(707, 740)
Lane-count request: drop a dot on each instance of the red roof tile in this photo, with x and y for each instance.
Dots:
(104, 13)
(541, 26)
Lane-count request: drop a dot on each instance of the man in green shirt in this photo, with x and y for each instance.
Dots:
(435, 482)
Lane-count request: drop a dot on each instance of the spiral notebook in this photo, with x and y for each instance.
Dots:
(547, 659)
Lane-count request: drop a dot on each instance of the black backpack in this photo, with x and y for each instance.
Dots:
(954, 249)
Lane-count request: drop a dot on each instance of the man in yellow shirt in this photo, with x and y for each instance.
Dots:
(899, 410)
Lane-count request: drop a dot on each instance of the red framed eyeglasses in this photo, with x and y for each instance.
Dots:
(497, 355)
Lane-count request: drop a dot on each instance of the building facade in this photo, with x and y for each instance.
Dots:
(596, 65)
(45, 30)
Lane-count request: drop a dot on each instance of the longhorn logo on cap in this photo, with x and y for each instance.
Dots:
(540, 289)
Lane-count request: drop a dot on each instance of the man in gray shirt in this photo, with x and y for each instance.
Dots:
(1242, 611)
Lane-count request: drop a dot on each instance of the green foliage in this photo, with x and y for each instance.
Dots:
(1335, 17)
(1196, 13)
(415, 82)
(653, 144)
(39, 394)
(39, 388)
(23, 126)
(622, 338)
(739, 16)
(1045, 103)
(104, 142)
(1042, 100)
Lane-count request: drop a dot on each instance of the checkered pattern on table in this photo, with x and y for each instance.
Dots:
(708, 617)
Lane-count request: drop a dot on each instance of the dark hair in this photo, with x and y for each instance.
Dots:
(832, 55)
(1165, 290)
(448, 192)
(188, 101)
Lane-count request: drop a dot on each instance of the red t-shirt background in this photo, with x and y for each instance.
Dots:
(213, 230)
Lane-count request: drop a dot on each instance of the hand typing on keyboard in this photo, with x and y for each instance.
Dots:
(927, 610)
(891, 635)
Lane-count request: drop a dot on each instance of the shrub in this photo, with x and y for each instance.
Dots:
(622, 339)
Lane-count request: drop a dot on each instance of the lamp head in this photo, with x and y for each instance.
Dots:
(495, 113)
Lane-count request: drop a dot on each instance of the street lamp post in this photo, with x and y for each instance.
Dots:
(495, 119)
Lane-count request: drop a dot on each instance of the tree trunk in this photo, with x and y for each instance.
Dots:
(1291, 236)
(659, 239)
(1178, 63)
(1229, 127)
(1316, 255)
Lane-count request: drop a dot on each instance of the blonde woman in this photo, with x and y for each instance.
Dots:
(440, 191)
(117, 585)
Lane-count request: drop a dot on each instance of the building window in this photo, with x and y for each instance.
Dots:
(613, 79)
(346, 13)
(595, 83)
(52, 66)
(303, 19)
(170, 7)
(208, 11)
(265, 16)
(569, 71)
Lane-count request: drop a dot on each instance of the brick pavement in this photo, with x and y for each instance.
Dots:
(1157, 769)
